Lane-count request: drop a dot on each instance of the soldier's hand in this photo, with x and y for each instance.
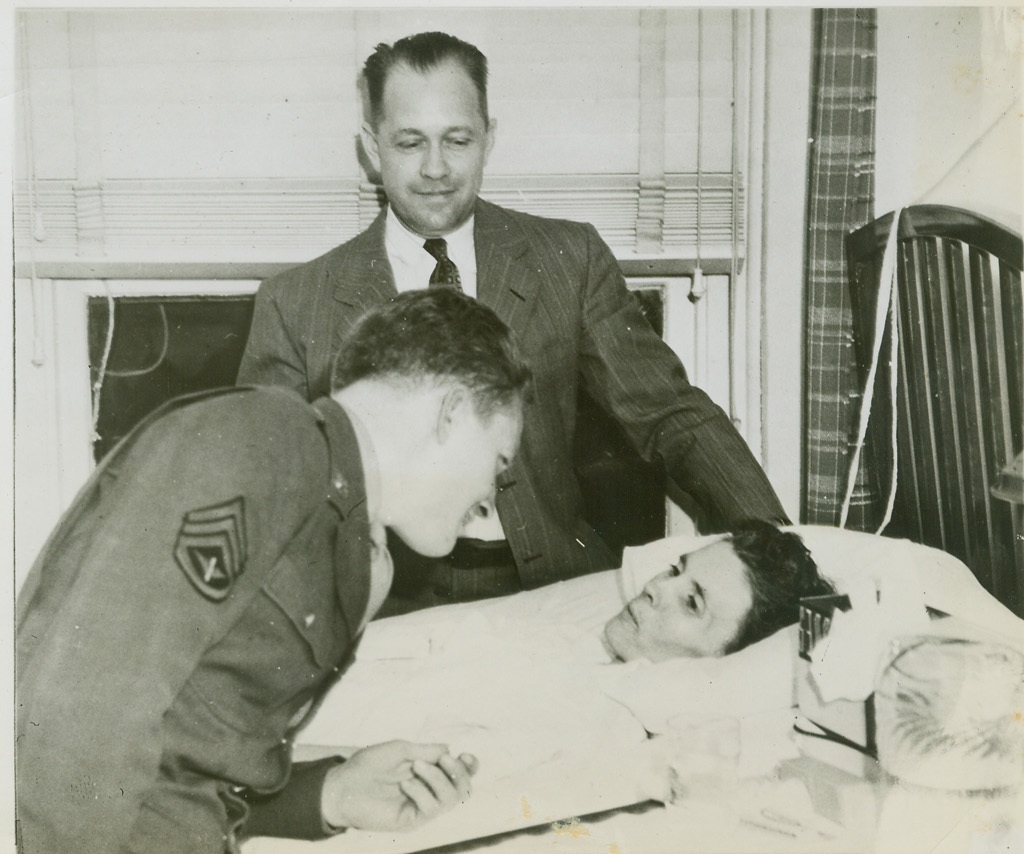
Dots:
(396, 786)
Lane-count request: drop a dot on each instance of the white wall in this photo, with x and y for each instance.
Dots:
(949, 110)
(781, 217)
(36, 458)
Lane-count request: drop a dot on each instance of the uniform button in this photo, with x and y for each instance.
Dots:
(309, 620)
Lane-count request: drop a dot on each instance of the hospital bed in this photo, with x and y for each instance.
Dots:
(694, 755)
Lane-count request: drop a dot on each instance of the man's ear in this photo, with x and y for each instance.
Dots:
(369, 138)
(452, 404)
(492, 127)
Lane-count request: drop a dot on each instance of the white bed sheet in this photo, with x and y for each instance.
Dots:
(513, 681)
(522, 682)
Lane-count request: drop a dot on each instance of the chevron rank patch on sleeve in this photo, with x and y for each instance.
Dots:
(211, 547)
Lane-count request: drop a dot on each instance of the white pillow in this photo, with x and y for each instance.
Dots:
(850, 559)
(760, 678)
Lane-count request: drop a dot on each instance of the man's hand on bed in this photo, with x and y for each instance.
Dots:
(395, 786)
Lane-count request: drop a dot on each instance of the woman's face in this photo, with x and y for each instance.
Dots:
(694, 609)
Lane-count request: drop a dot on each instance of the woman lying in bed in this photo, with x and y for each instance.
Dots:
(555, 671)
(521, 678)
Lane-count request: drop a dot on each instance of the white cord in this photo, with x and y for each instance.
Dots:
(97, 387)
(697, 286)
(894, 348)
(886, 305)
(888, 295)
(734, 186)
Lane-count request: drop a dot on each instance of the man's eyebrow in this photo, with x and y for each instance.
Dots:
(467, 129)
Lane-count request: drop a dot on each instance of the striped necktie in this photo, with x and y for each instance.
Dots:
(445, 274)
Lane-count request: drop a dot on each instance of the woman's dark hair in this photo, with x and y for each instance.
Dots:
(436, 333)
(781, 572)
(422, 52)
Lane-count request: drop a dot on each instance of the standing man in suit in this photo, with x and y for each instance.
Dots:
(213, 578)
(558, 287)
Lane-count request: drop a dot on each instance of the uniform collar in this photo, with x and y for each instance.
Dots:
(381, 567)
(370, 460)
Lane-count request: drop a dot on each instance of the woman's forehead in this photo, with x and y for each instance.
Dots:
(711, 558)
(722, 575)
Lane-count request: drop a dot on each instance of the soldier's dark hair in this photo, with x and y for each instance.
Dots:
(437, 334)
(781, 571)
(423, 52)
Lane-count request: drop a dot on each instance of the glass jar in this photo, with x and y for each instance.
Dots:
(949, 714)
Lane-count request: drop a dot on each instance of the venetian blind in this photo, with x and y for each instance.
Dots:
(201, 134)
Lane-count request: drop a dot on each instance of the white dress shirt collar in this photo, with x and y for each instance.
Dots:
(412, 265)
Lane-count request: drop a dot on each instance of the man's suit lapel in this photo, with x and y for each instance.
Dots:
(505, 280)
(360, 280)
(364, 279)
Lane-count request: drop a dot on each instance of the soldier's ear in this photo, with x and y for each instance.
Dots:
(453, 403)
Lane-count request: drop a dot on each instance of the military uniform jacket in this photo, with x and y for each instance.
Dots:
(559, 288)
(205, 587)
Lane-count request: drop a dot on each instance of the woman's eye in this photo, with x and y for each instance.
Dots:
(691, 604)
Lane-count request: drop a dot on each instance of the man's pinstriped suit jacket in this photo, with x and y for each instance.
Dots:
(559, 288)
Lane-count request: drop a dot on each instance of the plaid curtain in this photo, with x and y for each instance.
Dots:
(840, 198)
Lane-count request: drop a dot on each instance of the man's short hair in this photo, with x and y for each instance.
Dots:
(781, 572)
(436, 334)
(423, 52)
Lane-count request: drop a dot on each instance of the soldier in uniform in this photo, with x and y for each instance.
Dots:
(212, 580)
